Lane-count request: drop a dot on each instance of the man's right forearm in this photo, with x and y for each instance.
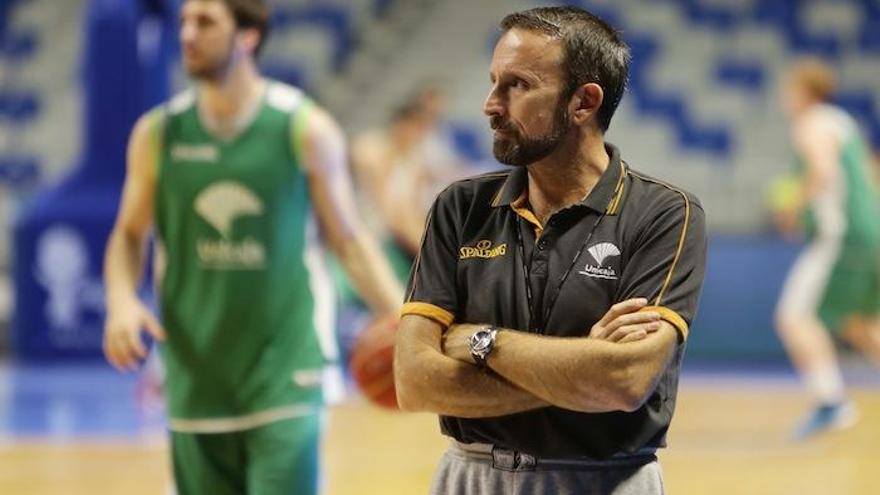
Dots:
(123, 266)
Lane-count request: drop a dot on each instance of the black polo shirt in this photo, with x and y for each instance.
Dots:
(485, 258)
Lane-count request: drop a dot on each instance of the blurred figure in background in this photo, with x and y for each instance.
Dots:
(241, 176)
(834, 286)
(402, 167)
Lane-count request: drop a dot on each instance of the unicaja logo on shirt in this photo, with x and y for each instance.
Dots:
(601, 252)
(220, 205)
(483, 249)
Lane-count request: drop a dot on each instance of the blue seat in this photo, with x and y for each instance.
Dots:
(467, 141)
(871, 10)
(823, 45)
(715, 140)
(714, 17)
(874, 137)
(335, 19)
(643, 49)
(869, 37)
(18, 46)
(860, 104)
(19, 171)
(289, 73)
(19, 106)
(745, 74)
(781, 13)
(668, 106)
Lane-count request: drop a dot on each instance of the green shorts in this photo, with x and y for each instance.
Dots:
(834, 281)
(852, 290)
(280, 458)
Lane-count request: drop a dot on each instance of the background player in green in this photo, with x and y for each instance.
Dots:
(835, 282)
(242, 177)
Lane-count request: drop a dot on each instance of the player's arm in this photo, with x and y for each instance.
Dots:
(324, 158)
(126, 250)
(820, 151)
(428, 380)
(399, 210)
(618, 366)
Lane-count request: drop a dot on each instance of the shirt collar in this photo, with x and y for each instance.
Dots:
(604, 197)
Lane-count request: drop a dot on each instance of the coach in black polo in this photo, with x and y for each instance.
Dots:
(549, 306)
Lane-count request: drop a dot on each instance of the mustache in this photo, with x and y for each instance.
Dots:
(499, 124)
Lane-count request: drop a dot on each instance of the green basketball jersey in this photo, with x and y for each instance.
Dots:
(245, 295)
(849, 206)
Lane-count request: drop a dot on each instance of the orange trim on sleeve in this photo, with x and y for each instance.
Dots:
(673, 318)
(428, 310)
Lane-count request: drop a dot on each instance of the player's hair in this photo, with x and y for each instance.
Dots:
(816, 76)
(593, 51)
(251, 14)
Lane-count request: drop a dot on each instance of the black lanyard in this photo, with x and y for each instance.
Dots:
(525, 267)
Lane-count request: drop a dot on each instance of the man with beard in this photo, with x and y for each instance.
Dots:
(548, 311)
(241, 176)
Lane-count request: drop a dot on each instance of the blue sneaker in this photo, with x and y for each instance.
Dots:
(827, 417)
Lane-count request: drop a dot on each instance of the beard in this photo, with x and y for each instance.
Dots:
(518, 150)
(213, 69)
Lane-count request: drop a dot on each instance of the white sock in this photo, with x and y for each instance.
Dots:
(826, 384)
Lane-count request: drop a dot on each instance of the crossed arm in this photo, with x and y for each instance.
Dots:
(615, 367)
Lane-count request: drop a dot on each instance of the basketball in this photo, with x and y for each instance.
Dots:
(783, 192)
(372, 360)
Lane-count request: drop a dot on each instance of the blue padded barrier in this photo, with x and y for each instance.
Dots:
(59, 238)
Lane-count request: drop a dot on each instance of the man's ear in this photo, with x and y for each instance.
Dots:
(585, 103)
(249, 39)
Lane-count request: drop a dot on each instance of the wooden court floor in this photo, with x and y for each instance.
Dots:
(726, 440)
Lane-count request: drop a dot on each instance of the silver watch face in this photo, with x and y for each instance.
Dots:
(481, 342)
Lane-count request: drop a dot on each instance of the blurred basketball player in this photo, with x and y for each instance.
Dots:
(834, 286)
(402, 167)
(240, 176)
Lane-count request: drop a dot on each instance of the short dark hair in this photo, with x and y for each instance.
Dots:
(251, 14)
(593, 51)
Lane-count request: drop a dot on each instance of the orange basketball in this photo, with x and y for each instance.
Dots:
(372, 360)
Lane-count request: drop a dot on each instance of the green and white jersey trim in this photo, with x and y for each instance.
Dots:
(182, 102)
(284, 98)
(324, 313)
(241, 423)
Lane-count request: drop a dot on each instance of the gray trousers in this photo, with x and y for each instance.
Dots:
(478, 469)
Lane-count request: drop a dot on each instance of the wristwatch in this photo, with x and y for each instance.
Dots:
(481, 344)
